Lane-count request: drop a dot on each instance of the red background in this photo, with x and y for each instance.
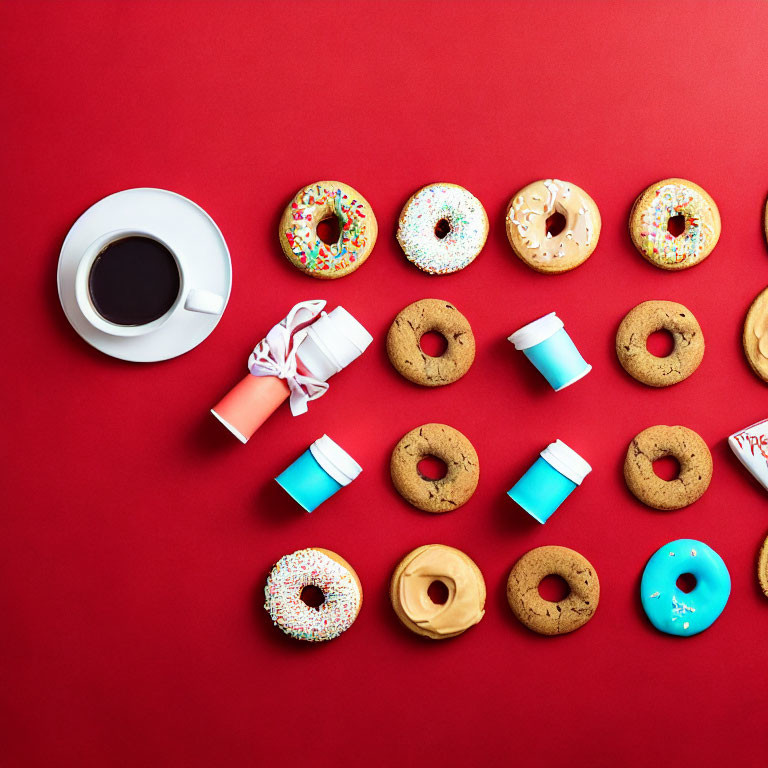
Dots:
(136, 533)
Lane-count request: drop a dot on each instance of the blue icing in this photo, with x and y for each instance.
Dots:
(669, 608)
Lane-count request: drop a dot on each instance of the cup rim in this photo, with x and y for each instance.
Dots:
(536, 331)
(83, 294)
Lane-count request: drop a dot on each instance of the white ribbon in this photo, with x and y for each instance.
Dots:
(275, 355)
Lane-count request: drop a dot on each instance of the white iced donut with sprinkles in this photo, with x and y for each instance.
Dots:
(326, 571)
(442, 228)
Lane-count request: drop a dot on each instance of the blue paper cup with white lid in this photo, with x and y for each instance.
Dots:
(322, 470)
(552, 478)
(546, 343)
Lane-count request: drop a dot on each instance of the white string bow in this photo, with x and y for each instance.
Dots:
(275, 355)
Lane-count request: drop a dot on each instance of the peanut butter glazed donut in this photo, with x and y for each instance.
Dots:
(318, 202)
(332, 575)
(460, 577)
(650, 219)
(528, 213)
(755, 335)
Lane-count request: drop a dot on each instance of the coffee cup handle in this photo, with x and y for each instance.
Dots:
(206, 302)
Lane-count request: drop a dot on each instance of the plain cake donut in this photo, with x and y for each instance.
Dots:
(691, 453)
(453, 449)
(647, 318)
(545, 616)
(404, 343)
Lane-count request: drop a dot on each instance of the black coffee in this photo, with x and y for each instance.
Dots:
(134, 281)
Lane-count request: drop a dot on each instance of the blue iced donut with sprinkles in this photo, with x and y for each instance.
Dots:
(442, 228)
(681, 613)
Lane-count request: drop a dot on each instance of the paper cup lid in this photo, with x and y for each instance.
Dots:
(534, 333)
(335, 460)
(566, 461)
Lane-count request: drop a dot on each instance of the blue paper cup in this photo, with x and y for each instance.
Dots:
(322, 470)
(548, 346)
(550, 481)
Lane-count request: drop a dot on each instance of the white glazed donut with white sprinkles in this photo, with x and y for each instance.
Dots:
(442, 228)
(332, 575)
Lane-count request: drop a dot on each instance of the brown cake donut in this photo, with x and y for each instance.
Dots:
(446, 444)
(647, 318)
(404, 349)
(544, 616)
(692, 455)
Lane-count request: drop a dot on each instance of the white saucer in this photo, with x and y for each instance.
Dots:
(192, 233)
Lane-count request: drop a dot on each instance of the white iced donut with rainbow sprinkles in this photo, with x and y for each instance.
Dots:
(442, 228)
(336, 580)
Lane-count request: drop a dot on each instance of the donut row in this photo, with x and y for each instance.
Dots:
(553, 226)
(438, 591)
(555, 474)
(325, 467)
(546, 344)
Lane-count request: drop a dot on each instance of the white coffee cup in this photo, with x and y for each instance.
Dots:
(189, 298)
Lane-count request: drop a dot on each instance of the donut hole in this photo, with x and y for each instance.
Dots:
(661, 343)
(432, 468)
(555, 224)
(686, 582)
(554, 588)
(312, 596)
(433, 343)
(676, 225)
(442, 229)
(329, 229)
(438, 592)
(667, 468)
